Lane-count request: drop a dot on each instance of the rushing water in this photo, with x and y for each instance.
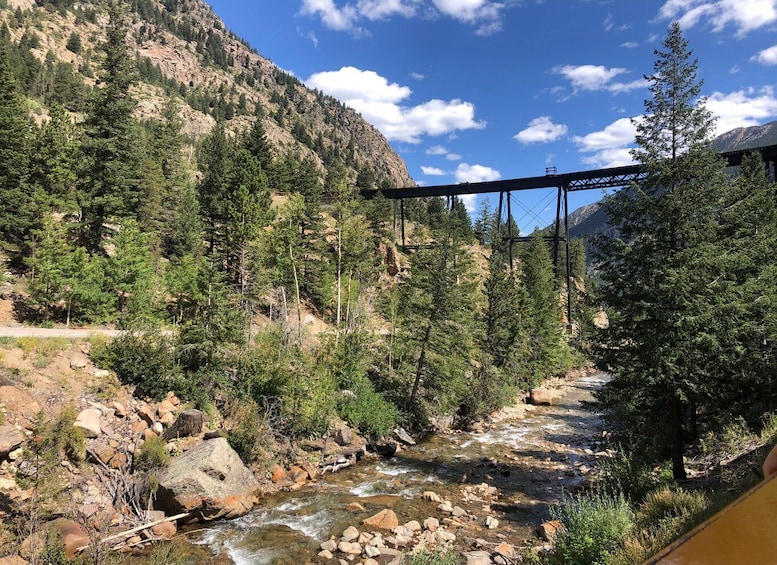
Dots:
(529, 460)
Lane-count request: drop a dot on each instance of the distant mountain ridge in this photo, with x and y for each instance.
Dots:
(591, 219)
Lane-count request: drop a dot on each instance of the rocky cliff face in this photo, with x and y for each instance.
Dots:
(184, 50)
(747, 138)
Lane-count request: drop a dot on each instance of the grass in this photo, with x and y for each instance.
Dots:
(445, 556)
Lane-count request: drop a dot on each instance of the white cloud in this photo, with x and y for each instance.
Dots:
(453, 157)
(767, 56)
(617, 157)
(541, 130)
(630, 45)
(378, 101)
(339, 19)
(744, 15)
(618, 134)
(436, 150)
(597, 77)
(380, 9)
(418, 76)
(742, 108)
(432, 171)
(470, 202)
(485, 15)
(476, 173)
(610, 146)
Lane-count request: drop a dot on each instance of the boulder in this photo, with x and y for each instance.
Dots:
(78, 362)
(10, 439)
(541, 397)
(477, 557)
(146, 414)
(279, 474)
(343, 436)
(383, 520)
(210, 481)
(89, 421)
(548, 530)
(71, 535)
(404, 437)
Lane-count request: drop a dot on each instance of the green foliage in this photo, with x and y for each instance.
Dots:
(672, 504)
(53, 552)
(145, 361)
(367, 410)
(595, 527)
(626, 474)
(769, 429)
(444, 556)
(74, 42)
(153, 454)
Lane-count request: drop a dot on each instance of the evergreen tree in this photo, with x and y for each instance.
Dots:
(54, 160)
(17, 212)
(545, 329)
(113, 148)
(656, 271)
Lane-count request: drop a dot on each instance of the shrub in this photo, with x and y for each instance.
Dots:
(445, 556)
(143, 360)
(368, 410)
(595, 526)
(623, 473)
(153, 454)
(671, 504)
(769, 429)
(246, 430)
(67, 437)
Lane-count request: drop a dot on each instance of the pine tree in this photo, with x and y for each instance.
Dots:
(656, 271)
(113, 148)
(17, 214)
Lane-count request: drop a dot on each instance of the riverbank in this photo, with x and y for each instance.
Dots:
(477, 491)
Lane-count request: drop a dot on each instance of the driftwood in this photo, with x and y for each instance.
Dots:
(340, 463)
(137, 529)
(189, 423)
(354, 453)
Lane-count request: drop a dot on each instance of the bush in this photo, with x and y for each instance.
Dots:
(153, 454)
(143, 360)
(671, 504)
(445, 556)
(368, 410)
(246, 430)
(623, 473)
(595, 526)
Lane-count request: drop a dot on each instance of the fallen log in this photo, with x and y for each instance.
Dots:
(137, 529)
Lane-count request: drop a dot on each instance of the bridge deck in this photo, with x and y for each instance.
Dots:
(614, 177)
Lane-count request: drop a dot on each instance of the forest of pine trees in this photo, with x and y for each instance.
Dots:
(107, 222)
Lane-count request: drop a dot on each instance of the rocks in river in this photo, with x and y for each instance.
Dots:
(543, 396)
(404, 437)
(383, 520)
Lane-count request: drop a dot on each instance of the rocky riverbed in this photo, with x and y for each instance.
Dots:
(483, 492)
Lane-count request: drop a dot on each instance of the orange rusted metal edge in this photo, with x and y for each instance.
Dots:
(744, 532)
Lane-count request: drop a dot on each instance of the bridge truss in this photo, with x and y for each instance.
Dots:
(610, 178)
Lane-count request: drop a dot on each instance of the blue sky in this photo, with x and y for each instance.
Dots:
(475, 90)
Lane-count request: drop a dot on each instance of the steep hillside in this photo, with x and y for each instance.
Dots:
(183, 49)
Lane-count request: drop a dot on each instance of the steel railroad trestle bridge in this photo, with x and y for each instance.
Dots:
(614, 177)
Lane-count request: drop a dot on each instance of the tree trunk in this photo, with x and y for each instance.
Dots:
(678, 466)
(189, 423)
(420, 367)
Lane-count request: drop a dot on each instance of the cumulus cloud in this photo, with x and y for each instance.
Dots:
(596, 77)
(476, 173)
(436, 150)
(742, 108)
(432, 171)
(767, 56)
(379, 102)
(485, 15)
(744, 15)
(610, 146)
(453, 157)
(541, 130)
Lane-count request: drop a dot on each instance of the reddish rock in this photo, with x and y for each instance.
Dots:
(146, 415)
(298, 475)
(548, 530)
(139, 427)
(166, 530)
(279, 474)
(355, 507)
(383, 520)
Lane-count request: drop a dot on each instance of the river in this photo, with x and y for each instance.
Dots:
(529, 461)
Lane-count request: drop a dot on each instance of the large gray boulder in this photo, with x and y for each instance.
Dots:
(209, 481)
(10, 439)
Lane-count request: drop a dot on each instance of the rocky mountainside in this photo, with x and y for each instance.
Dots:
(184, 50)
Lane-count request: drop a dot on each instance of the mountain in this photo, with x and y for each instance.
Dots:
(591, 219)
(184, 50)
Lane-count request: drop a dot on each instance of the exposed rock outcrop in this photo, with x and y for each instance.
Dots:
(210, 481)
